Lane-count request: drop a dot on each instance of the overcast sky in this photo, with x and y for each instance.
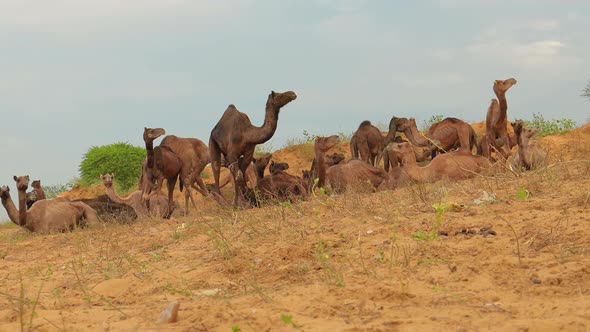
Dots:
(77, 73)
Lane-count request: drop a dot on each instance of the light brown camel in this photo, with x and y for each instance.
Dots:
(194, 156)
(392, 160)
(354, 173)
(135, 199)
(497, 120)
(235, 138)
(529, 155)
(49, 215)
(459, 164)
(330, 160)
(450, 133)
(367, 143)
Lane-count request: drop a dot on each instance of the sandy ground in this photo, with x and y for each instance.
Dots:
(384, 261)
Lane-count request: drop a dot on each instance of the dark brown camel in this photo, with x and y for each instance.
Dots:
(235, 138)
(254, 172)
(37, 194)
(330, 160)
(459, 164)
(450, 133)
(529, 155)
(49, 215)
(367, 143)
(497, 120)
(107, 209)
(277, 186)
(394, 124)
(277, 167)
(147, 180)
(354, 173)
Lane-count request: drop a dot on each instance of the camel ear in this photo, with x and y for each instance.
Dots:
(28, 178)
(272, 93)
(15, 178)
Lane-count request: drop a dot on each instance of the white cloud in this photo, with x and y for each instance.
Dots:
(540, 53)
(544, 25)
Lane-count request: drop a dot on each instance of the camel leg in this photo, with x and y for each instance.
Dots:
(170, 184)
(215, 155)
(464, 140)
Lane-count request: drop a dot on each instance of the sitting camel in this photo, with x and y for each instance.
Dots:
(235, 138)
(49, 215)
(497, 120)
(450, 133)
(330, 160)
(393, 160)
(135, 199)
(367, 142)
(350, 174)
(37, 194)
(254, 172)
(276, 167)
(528, 155)
(459, 164)
(279, 186)
(106, 208)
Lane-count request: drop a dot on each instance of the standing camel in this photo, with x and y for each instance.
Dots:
(235, 138)
(147, 180)
(497, 120)
(368, 143)
(49, 215)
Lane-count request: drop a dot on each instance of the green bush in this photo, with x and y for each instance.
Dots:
(426, 124)
(123, 159)
(550, 127)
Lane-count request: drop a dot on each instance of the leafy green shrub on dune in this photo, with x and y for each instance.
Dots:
(120, 158)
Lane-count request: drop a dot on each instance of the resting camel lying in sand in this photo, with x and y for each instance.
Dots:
(393, 160)
(354, 173)
(277, 167)
(449, 134)
(278, 186)
(330, 159)
(459, 164)
(235, 138)
(529, 155)
(367, 143)
(254, 172)
(106, 208)
(49, 215)
(497, 120)
(158, 201)
(37, 194)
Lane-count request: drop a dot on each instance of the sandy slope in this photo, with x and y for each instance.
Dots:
(348, 263)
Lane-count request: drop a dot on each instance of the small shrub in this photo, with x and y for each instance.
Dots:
(432, 120)
(51, 191)
(550, 127)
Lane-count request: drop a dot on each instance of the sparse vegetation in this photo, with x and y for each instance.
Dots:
(550, 127)
(430, 121)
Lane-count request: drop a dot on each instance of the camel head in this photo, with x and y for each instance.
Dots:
(529, 132)
(22, 182)
(277, 167)
(280, 99)
(107, 180)
(501, 86)
(402, 149)
(262, 161)
(517, 126)
(404, 124)
(334, 158)
(4, 192)
(150, 134)
(36, 184)
(326, 143)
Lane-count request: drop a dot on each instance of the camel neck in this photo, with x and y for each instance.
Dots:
(13, 213)
(110, 191)
(320, 159)
(262, 134)
(502, 101)
(415, 137)
(149, 147)
(22, 207)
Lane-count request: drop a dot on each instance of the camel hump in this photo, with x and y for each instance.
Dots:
(365, 123)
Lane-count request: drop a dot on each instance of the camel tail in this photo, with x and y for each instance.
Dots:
(354, 151)
(473, 140)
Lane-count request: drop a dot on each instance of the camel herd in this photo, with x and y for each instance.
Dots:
(448, 149)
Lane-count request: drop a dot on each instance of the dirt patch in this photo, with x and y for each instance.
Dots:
(356, 262)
